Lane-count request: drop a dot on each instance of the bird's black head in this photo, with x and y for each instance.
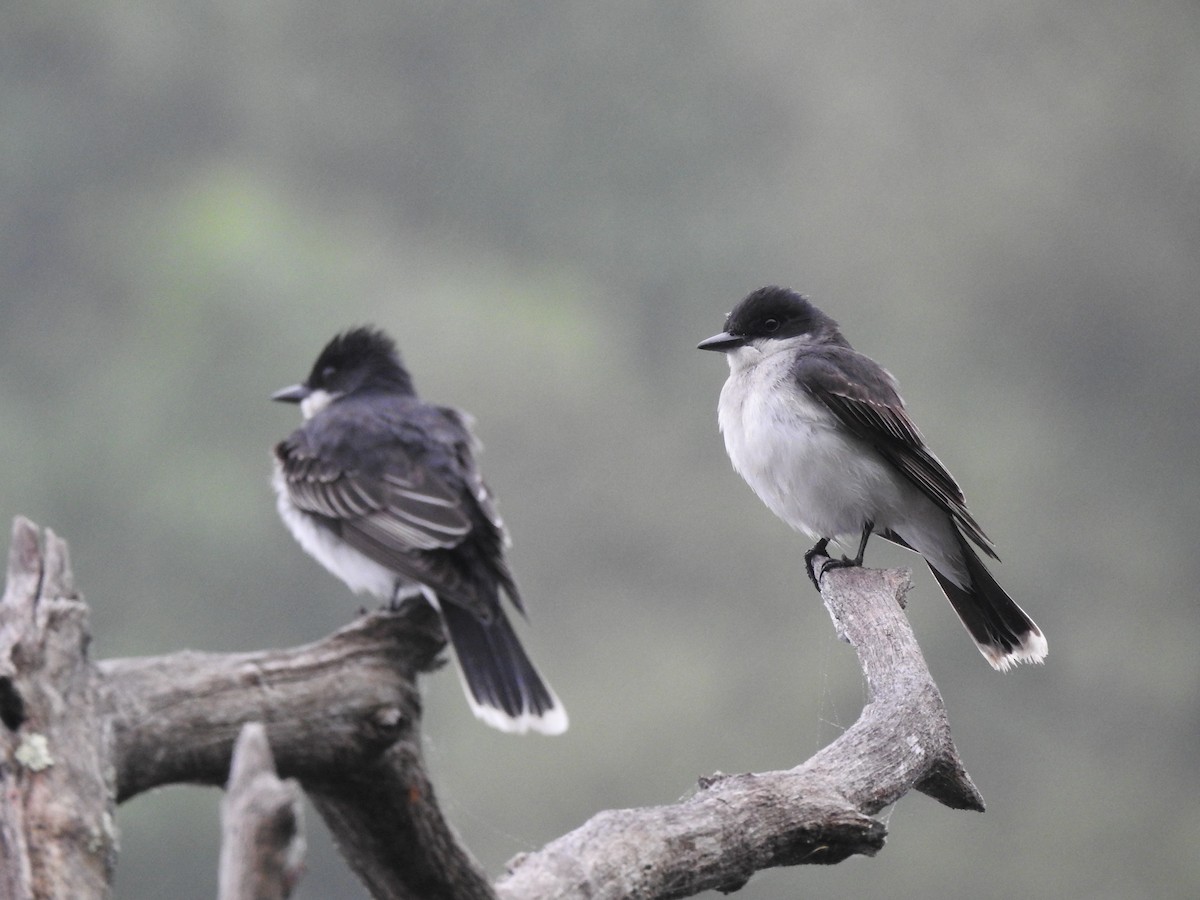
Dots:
(771, 313)
(361, 359)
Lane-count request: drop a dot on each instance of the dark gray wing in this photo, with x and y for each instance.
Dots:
(399, 518)
(494, 536)
(864, 398)
(406, 506)
(467, 448)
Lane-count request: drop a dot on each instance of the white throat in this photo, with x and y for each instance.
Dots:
(315, 402)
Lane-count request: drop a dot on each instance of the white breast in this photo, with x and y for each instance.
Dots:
(810, 473)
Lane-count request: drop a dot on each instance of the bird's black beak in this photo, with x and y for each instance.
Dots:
(293, 394)
(723, 342)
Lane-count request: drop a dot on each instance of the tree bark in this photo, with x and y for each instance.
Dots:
(342, 717)
(57, 835)
(262, 825)
(816, 813)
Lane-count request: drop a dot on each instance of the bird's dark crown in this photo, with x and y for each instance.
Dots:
(357, 359)
(776, 312)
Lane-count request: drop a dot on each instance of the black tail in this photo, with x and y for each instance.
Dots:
(501, 684)
(1004, 633)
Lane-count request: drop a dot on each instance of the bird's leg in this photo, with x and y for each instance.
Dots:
(401, 594)
(844, 562)
(862, 545)
(817, 550)
(395, 600)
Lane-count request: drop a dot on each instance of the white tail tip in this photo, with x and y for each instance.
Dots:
(1032, 649)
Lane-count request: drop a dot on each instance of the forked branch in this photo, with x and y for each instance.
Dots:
(342, 718)
(816, 813)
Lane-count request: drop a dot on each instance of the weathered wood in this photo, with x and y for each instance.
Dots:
(818, 812)
(342, 716)
(57, 834)
(387, 824)
(262, 825)
(327, 706)
(902, 737)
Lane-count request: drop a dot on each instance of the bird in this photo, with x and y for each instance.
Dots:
(383, 490)
(820, 433)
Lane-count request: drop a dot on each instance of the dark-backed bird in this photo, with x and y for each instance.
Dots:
(819, 431)
(383, 490)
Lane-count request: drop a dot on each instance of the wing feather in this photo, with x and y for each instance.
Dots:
(404, 509)
(870, 405)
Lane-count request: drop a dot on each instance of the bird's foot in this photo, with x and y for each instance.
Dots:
(844, 563)
(818, 550)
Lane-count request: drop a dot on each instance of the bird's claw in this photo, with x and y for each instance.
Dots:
(811, 555)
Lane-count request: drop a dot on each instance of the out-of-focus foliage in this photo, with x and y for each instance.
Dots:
(548, 204)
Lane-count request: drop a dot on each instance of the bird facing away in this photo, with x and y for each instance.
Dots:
(382, 489)
(820, 433)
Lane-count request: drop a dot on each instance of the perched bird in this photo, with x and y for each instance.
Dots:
(382, 489)
(820, 433)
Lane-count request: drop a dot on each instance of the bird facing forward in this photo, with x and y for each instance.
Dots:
(820, 433)
(382, 489)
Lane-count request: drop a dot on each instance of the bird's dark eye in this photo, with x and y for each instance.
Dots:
(328, 372)
(770, 326)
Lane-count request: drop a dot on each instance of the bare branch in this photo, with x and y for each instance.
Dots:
(57, 837)
(262, 823)
(818, 812)
(326, 706)
(388, 826)
(343, 718)
(902, 737)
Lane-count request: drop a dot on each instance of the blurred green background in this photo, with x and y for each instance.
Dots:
(548, 204)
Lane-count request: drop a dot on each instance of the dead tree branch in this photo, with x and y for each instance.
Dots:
(57, 837)
(262, 825)
(342, 717)
(818, 812)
